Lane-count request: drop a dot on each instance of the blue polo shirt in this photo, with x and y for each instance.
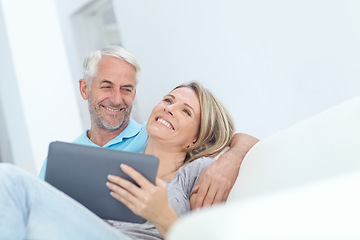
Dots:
(132, 139)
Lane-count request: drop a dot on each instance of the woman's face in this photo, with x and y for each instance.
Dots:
(176, 119)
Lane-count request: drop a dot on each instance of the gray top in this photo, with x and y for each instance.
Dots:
(179, 193)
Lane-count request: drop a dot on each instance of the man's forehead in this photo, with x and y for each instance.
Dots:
(115, 71)
(105, 60)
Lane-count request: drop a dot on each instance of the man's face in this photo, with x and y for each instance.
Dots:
(111, 94)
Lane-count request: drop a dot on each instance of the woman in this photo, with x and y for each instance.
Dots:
(188, 124)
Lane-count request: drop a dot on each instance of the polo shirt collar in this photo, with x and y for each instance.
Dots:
(131, 130)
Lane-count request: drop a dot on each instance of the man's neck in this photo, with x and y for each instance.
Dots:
(102, 136)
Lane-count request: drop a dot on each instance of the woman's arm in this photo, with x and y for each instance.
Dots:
(148, 201)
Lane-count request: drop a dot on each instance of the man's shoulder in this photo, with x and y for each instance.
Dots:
(132, 131)
(83, 139)
(134, 126)
(133, 138)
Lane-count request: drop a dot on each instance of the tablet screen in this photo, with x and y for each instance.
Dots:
(81, 172)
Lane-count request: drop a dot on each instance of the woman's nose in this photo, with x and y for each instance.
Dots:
(169, 109)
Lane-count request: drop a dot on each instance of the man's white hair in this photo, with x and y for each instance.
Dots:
(90, 64)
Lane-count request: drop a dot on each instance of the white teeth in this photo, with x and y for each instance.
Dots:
(165, 123)
(113, 110)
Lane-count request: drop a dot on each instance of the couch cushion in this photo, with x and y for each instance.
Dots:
(322, 146)
(327, 209)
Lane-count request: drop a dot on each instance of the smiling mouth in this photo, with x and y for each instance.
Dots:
(165, 123)
(112, 109)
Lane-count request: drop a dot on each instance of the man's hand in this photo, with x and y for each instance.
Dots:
(216, 182)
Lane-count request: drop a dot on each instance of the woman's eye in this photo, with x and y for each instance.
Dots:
(167, 100)
(187, 112)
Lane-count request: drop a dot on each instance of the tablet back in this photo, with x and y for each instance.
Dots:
(81, 172)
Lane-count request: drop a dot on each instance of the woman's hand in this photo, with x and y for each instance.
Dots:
(148, 200)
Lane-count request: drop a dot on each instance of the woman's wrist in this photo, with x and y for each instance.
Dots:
(165, 221)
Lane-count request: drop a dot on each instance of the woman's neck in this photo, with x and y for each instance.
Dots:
(170, 158)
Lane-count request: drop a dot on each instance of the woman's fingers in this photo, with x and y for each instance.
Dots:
(128, 185)
(119, 183)
(135, 175)
(127, 193)
(144, 201)
(133, 196)
(121, 194)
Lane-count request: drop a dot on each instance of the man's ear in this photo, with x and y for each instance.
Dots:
(84, 89)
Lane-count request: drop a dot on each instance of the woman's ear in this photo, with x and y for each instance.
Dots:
(191, 144)
(84, 89)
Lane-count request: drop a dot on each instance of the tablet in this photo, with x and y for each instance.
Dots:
(81, 172)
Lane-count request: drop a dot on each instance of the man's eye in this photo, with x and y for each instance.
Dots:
(106, 87)
(126, 90)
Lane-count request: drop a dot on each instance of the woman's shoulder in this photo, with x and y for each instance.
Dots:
(188, 175)
(201, 161)
(197, 166)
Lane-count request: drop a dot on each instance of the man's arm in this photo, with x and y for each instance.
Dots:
(216, 181)
(43, 170)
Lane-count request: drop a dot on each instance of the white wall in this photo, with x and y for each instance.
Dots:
(80, 29)
(14, 136)
(65, 10)
(37, 94)
(273, 63)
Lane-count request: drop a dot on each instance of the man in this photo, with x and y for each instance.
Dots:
(109, 86)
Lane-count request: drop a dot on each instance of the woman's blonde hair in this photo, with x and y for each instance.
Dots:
(216, 125)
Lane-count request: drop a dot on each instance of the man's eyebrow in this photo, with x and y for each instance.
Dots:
(128, 86)
(110, 82)
(106, 81)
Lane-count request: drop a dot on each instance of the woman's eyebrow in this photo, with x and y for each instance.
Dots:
(189, 106)
(186, 104)
(170, 95)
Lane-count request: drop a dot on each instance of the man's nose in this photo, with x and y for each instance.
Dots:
(117, 97)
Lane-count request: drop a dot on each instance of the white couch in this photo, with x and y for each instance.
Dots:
(302, 183)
